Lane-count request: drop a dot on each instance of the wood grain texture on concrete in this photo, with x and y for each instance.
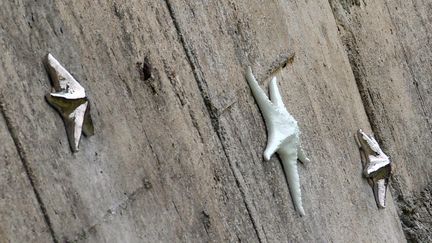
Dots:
(21, 218)
(389, 47)
(221, 39)
(177, 154)
(154, 170)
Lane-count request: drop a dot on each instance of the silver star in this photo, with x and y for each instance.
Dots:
(283, 135)
(377, 166)
(69, 99)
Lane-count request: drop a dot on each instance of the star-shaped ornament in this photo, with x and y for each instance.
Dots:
(377, 166)
(283, 135)
(69, 99)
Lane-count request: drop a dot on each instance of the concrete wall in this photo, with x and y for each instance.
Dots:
(178, 157)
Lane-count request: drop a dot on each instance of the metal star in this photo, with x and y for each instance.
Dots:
(283, 135)
(69, 99)
(377, 165)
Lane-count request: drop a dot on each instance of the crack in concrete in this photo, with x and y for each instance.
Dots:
(213, 114)
(29, 172)
(118, 208)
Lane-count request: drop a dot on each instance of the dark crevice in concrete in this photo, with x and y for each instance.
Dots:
(29, 172)
(214, 118)
(205, 218)
(176, 209)
(145, 69)
(182, 97)
(281, 61)
(348, 4)
(416, 214)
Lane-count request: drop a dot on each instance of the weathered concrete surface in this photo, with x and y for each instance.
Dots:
(154, 170)
(389, 46)
(416, 215)
(177, 157)
(316, 88)
(21, 218)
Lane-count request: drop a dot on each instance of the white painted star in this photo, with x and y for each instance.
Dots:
(69, 99)
(283, 135)
(378, 167)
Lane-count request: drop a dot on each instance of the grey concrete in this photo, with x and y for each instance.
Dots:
(177, 151)
(21, 218)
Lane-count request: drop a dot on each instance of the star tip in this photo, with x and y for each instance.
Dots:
(75, 148)
(360, 133)
(249, 70)
(380, 206)
(302, 213)
(266, 157)
(49, 57)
